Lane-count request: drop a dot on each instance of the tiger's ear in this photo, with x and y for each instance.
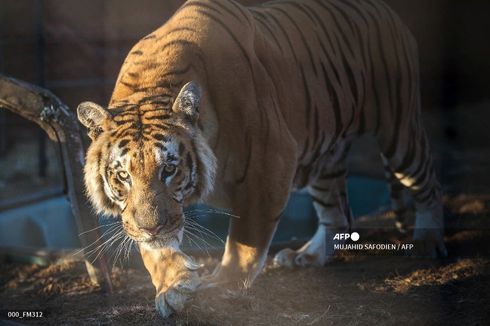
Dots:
(92, 116)
(187, 102)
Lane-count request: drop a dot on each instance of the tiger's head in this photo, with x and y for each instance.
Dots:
(146, 161)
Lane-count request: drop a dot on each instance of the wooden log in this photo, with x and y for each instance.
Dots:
(60, 123)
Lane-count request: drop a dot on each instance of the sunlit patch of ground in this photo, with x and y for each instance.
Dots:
(356, 289)
(435, 276)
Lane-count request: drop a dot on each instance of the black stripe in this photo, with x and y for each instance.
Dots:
(137, 52)
(305, 149)
(189, 185)
(400, 107)
(160, 137)
(248, 143)
(159, 117)
(327, 79)
(163, 105)
(176, 72)
(316, 131)
(345, 63)
(176, 30)
(307, 98)
(274, 37)
(424, 157)
(303, 38)
(368, 62)
(128, 85)
(189, 161)
(333, 175)
(423, 195)
(347, 18)
(228, 10)
(119, 133)
(161, 146)
(285, 34)
(320, 188)
(381, 47)
(426, 172)
(159, 125)
(352, 86)
(123, 143)
(123, 113)
(241, 9)
(323, 203)
(124, 151)
(183, 43)
(336, 106)
(300, 7)
(409, 156)
(124, 121)
(247, 59)
(339, 30)
(206, 6)
(151, 98)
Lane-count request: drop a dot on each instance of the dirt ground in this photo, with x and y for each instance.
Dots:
(355, 289)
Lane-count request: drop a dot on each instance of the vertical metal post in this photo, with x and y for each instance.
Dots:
(3, 113)
(3, 133)
(42, 159)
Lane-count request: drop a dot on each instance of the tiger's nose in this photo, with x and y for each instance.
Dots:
(152, 230)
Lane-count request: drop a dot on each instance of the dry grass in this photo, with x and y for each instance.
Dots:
(353, 290)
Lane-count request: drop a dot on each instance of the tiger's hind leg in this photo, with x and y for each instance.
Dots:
(400, 203)
(331, 205)
(412, 166)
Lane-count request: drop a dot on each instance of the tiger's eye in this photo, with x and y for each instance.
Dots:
(122, 176)
(167, 171)
(169, 168)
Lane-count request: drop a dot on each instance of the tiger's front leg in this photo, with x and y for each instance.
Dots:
(258, 201)
(174, 275)
(245, 252)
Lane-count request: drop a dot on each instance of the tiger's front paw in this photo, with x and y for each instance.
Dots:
(316, 252)
(174, 298)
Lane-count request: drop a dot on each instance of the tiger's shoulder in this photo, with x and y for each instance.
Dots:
(200, 35)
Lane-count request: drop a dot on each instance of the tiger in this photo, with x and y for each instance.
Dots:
(238, 106)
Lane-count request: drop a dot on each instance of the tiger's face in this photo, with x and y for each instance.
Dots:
(146, 162)
(147, 183)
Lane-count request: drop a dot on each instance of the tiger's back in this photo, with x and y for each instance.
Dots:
(343, 68)
(323, 70)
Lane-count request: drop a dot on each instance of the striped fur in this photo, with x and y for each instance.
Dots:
(285, 88)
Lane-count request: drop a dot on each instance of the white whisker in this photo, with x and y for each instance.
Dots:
(213, 210)
(107, 246)
(110, 230)
(204, 230)
(190, 235)
(98, 227)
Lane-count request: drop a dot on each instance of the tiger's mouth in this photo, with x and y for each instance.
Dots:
(167, 237)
